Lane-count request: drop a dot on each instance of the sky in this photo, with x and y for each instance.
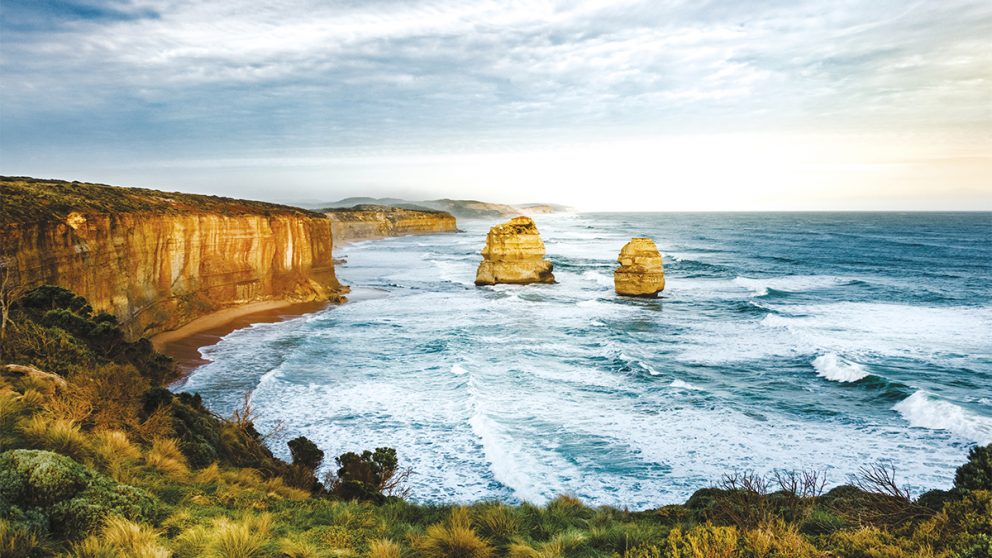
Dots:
(601, 105)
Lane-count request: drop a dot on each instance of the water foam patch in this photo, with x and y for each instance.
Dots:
(790, 283)
(682, 384)
(598, 277)
(837, 369)
(926, 411)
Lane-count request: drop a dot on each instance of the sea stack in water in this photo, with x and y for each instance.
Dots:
(514, 253)
(640, 272)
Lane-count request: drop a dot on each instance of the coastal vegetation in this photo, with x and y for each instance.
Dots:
(29, 200)
(99, 459)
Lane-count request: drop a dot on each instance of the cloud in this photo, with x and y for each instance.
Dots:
(148, 79)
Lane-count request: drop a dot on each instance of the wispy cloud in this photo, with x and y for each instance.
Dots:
(151, 78)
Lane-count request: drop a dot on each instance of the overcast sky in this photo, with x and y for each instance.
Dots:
(622, 105)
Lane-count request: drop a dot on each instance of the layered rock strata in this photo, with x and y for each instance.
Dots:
(369, 222)
(159, 260)
(514, 253)
(641, 272)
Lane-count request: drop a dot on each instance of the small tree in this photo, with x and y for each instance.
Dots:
(11, 289)
(370, 476)
(305, 453)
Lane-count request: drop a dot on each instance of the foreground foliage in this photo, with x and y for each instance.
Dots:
(98, 460)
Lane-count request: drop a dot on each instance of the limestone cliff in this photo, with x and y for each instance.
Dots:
(159, 260)
(514, 253)
(641, 272)
(368, 222)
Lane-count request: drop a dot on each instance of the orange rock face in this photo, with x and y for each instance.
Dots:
(157, 271)
(641, 272)
(367, 222)
(514, 253)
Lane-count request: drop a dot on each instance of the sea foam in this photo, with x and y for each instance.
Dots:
(788, 283)
(681, 384)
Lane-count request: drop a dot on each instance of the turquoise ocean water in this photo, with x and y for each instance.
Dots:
(819, 341)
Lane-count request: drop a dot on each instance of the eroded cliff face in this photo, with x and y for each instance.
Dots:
(640, 272)
(514, 253)
(157, 269)
(369, 222)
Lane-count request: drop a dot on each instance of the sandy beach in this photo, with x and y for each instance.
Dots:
(184, 344)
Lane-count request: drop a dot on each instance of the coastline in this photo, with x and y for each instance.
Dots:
(184, 344)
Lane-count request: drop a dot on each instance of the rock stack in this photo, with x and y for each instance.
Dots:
(514, 253)
(640, 272)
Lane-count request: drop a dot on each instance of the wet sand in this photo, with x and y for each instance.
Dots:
(184, 344)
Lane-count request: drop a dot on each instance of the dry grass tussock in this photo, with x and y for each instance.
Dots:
(454, 538)
(165, 456)
(43, 431)
(248, 537)
(384, 548)
(120, 537)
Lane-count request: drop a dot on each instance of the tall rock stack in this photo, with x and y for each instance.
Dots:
(641, 272)
(514, 253)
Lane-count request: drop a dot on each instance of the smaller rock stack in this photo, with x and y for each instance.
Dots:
(514, 253)
(641, 272)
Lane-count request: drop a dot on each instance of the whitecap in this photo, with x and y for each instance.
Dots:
(790, 283)
(837, 369)
(681, 384)
(598, 277)
(457, 369)
(925, 411)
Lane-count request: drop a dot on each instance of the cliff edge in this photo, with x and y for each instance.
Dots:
(159, 260)
(370, 221)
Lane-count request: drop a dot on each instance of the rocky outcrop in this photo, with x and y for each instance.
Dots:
(369, 222)
(159, 260)
(514, 253)
(641, 272)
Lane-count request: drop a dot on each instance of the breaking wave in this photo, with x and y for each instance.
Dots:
(833, 367)
(926, 411)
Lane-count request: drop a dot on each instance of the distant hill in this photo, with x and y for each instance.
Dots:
(364, 200)
(462, 209)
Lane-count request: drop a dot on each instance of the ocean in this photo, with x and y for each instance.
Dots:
(824, 341)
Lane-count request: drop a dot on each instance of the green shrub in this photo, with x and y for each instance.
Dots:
(702, 541)
(68, 319)
(976, 474)
(70, 498)
(961, 525)
(872, 542)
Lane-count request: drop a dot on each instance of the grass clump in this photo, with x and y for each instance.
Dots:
(121, 537)
(453, 538)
